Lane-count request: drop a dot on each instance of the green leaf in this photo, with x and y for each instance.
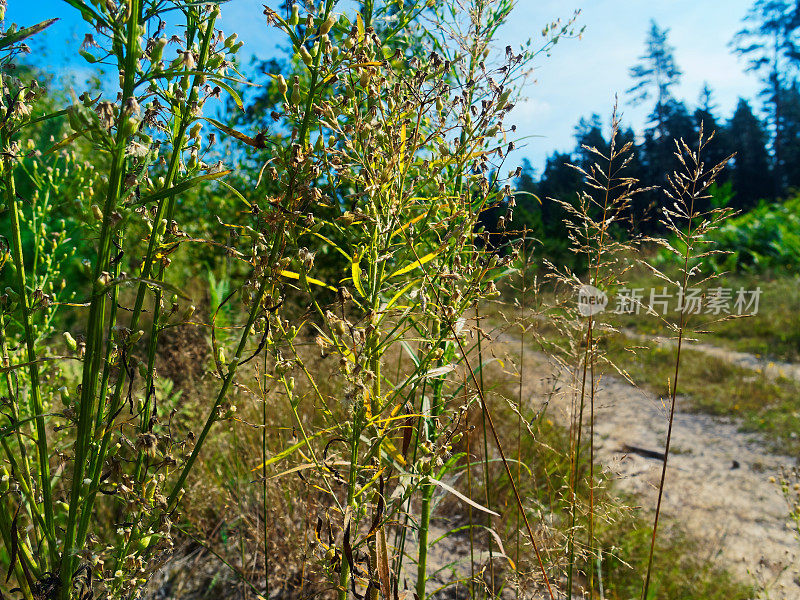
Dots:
(410, 353)
(64, 142)
(290, 450)
(25, 32)
(182, 187)
(235, 192)
(397, 296)
(231, 91)
(333, 244)
(87, 12)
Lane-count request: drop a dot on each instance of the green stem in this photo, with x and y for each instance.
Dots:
(519, 394)
(486, 482)
(422, 559)
(576, 464)
(94, 333)
(264, 478)
(19, 572)
(26, 484)
(36, 405)
(430, 433)
(165, 210)
(691, 235)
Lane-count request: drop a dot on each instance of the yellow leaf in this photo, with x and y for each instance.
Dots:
(417, 263)
(395, 298)
(333, 244)
(416, 219)
(402, 146)
(371, 482)
(392, 451)
(288, 451)
(296, 276)
(355, 267)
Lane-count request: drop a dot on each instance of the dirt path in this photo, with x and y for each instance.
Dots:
(745, 360)
(718, 479)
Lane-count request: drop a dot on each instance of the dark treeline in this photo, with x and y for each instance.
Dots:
(763, 133)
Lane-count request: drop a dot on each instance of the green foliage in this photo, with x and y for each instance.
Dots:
(764, 239)
(679, 574)
(338, 266)
(83, 196)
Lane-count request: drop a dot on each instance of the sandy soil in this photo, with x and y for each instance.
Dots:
(718, 479)
(771, 368)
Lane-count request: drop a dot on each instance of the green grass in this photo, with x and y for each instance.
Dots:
(713, 386)
(773, 332)
(678, 573)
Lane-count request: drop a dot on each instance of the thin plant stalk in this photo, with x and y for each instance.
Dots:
(662, 480)
(430, 429)
(685, 188)
(469, 507)
(523, 289)
(94, 329)
(499, 446)
(486, 480)
(673, 396)
(36, 407)
(576, 463)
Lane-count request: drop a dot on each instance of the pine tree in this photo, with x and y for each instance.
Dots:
(770, 41)
(790, 148)
(750, 171)
(589, 134)
(720, 147)
(656, 74)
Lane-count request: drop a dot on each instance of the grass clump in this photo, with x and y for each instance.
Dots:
(771, 332)
(715, 386)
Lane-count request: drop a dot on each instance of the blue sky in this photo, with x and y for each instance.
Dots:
(579, 78)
